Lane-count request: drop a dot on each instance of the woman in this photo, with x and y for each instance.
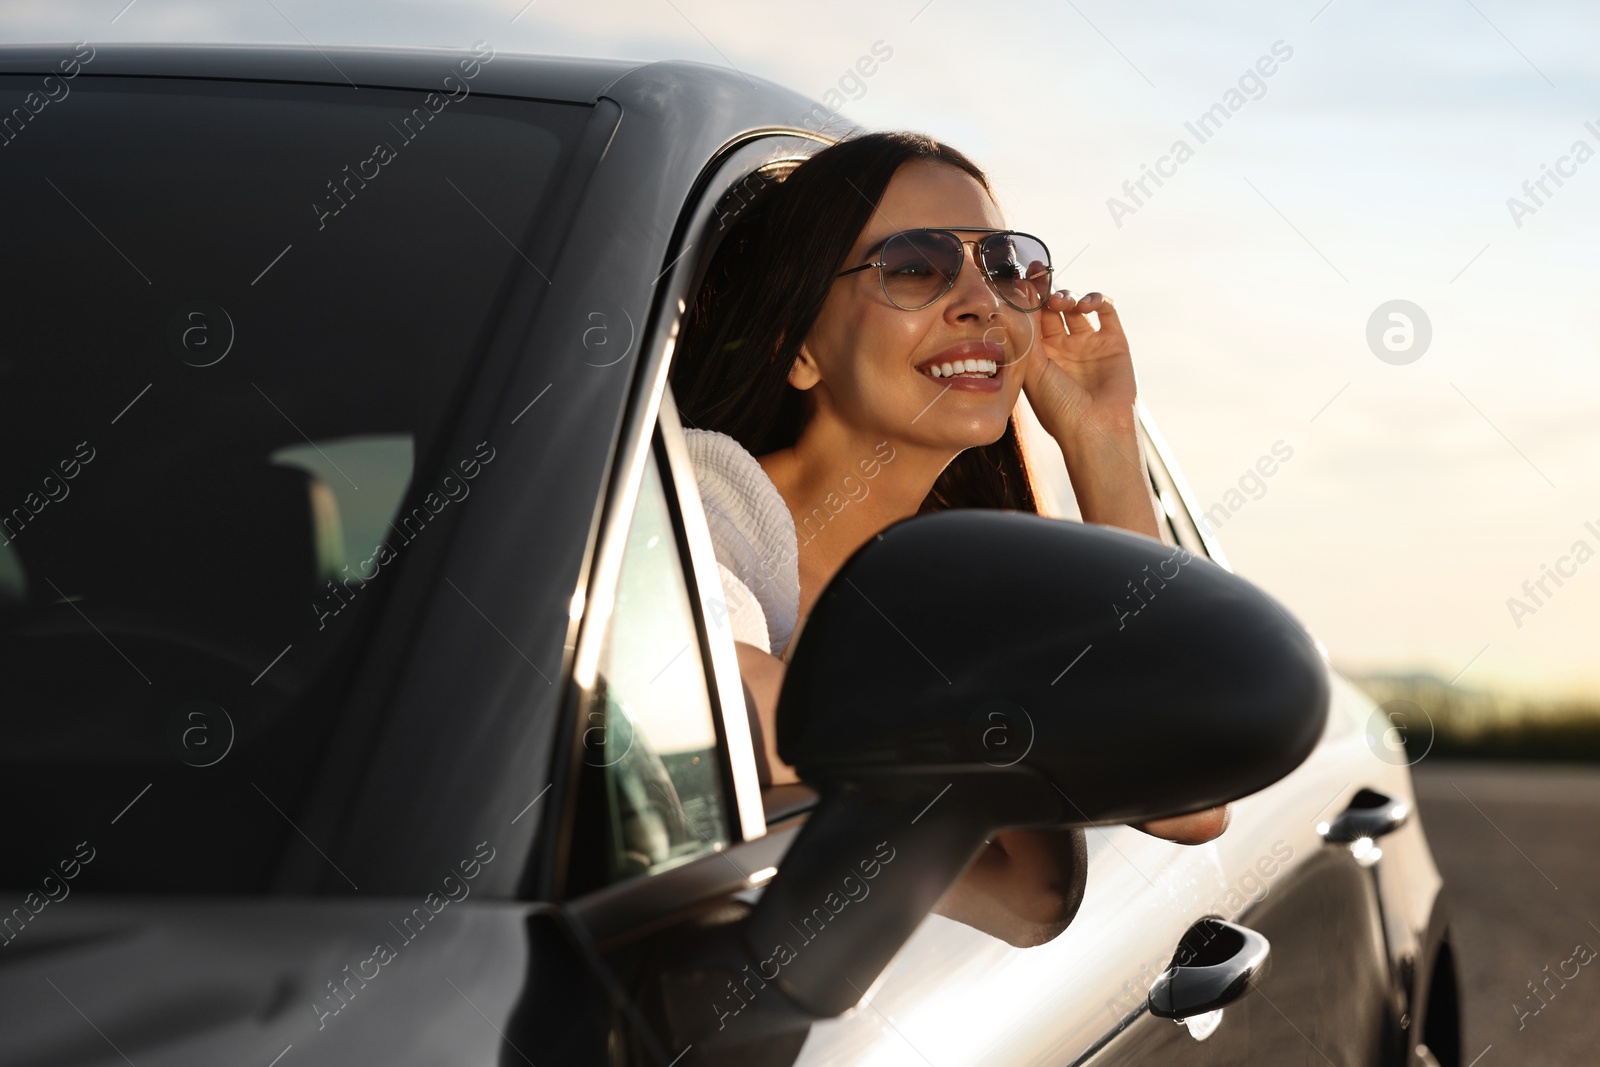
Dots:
(846, 367)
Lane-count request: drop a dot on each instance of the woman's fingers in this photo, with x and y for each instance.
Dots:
(1075, 310)
(1195, 829)
(1075, 337)
(1104, 309)
(1051, 328)
(1073, 313)
(1060, 300)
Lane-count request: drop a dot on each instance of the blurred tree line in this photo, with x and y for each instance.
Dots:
(1487, 724)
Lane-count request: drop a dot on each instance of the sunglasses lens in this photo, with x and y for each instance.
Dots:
(919, 267)
(1019, 265)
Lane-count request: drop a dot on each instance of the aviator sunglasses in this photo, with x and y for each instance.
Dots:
(917, 267)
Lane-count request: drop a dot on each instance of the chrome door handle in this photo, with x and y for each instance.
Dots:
(1369, 815)
(1214, 966)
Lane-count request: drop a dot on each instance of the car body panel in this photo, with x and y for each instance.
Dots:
(179, 982)
(971, 999)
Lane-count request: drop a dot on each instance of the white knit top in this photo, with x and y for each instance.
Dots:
(754, 538)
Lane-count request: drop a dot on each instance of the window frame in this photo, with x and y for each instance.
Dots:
(597, 610)
(1176, 498)
(651, 422)
(736, 742)
(724, 747)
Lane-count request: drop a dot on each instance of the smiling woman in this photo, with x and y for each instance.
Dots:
(877, 297)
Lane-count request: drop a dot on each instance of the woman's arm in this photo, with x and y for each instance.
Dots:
(763, 679)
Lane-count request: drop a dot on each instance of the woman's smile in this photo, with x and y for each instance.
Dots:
(971, 365)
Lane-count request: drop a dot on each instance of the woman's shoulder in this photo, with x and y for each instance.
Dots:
(733, 482)
(752, 530)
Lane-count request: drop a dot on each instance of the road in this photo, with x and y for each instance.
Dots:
(1519, 848)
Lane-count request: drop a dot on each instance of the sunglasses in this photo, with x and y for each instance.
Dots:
(917, 267)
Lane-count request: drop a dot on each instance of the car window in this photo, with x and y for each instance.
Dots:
(236, 334)
(648, 729)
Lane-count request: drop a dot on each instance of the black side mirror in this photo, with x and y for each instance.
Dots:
(978, 670)
(973, 671)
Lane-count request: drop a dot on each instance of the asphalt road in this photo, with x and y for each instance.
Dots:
(1519, 848)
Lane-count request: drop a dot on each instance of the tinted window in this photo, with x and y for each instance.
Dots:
(238, 318)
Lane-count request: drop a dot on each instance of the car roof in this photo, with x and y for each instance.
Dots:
(545, 77)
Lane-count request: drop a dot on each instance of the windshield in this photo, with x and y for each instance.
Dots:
(237, 317)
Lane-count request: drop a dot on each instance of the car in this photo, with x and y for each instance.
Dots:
(369, 693)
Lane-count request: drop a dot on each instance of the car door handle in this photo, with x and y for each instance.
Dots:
(1215, 963)
(1370, 815)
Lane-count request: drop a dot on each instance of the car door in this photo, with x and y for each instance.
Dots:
(1332, 988)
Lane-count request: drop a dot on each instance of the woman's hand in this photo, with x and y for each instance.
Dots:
(1023, 888)
(1195, 829)
(1078, 378)
(1079, 382)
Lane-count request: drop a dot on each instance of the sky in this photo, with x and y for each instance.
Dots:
(1438, 461)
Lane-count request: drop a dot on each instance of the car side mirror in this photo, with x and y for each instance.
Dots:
(977, 670)
(973, 671)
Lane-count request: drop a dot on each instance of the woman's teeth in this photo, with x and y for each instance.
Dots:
(962, 368)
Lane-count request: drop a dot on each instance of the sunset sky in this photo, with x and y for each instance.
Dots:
(1377, 162)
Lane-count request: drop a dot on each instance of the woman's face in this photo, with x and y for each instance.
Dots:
(866, 362)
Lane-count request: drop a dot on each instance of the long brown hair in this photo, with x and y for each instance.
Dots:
(764, 288)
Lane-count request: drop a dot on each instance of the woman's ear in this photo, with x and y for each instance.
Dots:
(803, 373)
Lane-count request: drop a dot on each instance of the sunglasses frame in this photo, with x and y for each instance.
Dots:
(1049, 269)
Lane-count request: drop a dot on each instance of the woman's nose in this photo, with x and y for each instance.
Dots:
(972, 293)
